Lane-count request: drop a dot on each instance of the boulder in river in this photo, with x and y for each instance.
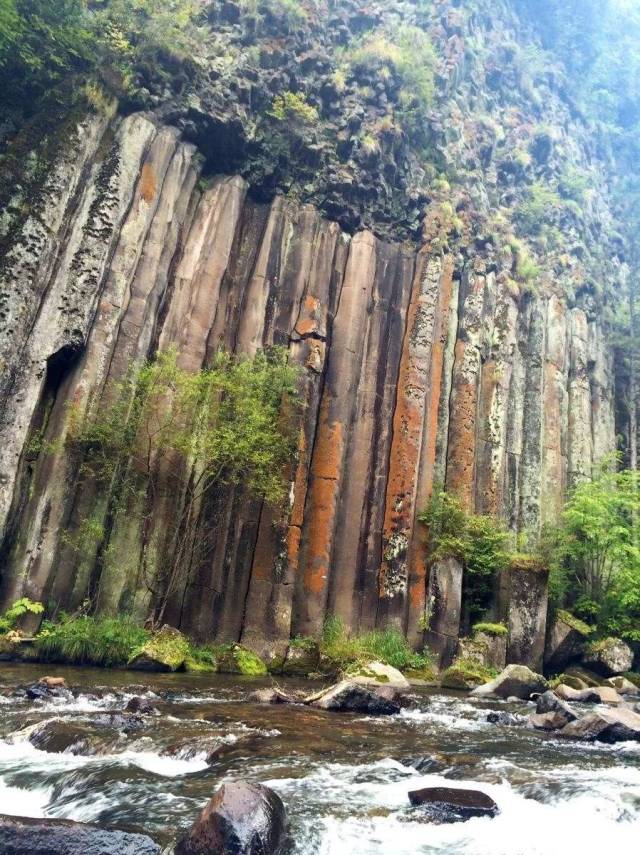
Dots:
(516, 680)
(606, 725)
(581, 696)
(622, 685)
(549, 702)
(548, 720)
(242, 818)
(347, 696)
(378, 674)
(141, 706)
(24, 836)
(608, 656)
(166, 650)
(53, 682)
(448, 804)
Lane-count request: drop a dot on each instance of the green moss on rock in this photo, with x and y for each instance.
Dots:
(236, 659)
(574, 622)
(492, 629)
(466, 674)
(166, 650)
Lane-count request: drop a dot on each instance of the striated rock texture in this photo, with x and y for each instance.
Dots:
(421, 362)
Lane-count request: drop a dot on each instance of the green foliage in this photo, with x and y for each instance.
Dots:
(494, 629)
(540, 206)
(479, 542)
(230, 423)
(200, 660)
(573, 184)
(466, 674)
(596, 555)
(17, 610)
(90, 641)
(236, 659)
(290, 106)
(405, 51)
(382, 645)
(52, 51)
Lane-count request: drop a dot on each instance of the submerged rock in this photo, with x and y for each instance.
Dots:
(447, 804)
(507, 719)
(167, 650)
(242, 818)
(142, 706)
(23, 836)
(347, 696)
(608, 656)
(274, 696)
(516, 680)
(606, 725)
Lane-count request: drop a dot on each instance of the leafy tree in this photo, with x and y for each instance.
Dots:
(165, 428)
(596, 554)
(478, 541)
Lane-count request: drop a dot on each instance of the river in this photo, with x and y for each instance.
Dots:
(344, 778)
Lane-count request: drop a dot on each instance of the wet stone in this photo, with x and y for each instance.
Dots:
(22, 836)
(446, 804)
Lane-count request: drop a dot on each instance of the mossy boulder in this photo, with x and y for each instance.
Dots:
(565, 641)
(302, 658)
(515, 681)
(376, 674)
(236, 659)
(465, 674)
(166, 650)
(200, 660)
(608, 656)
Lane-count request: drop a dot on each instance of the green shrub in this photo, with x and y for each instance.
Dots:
(382, 645)
(13, 614)
(540, 206)
(494, 629)
(478, 541)
(290, 106)
(90, 641)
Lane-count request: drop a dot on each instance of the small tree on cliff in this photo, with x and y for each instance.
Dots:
(596, 556)
(165, 429)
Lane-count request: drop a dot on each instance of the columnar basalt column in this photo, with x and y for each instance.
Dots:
(336, 411)
(555, 411)
(580, 438)
(527, 586)
(63, 324)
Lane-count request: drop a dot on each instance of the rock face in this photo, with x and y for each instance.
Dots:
(422, 361)
(445, 804)
(242, 818)
(608, 657)
(22, 836)
(516, 681)
(565, 641)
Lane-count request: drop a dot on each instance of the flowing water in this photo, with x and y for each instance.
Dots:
(344, 778)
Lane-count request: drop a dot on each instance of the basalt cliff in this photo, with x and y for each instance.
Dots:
(443, 336)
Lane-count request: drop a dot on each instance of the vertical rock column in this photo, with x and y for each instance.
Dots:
(336, 410)
(318, 259)
(353, 590)
(414, 435)
(555, 410)
(580, 437)
(63, 323)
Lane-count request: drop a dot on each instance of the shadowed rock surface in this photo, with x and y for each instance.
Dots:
(445, 804)
(241, 819)
(22, 836)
